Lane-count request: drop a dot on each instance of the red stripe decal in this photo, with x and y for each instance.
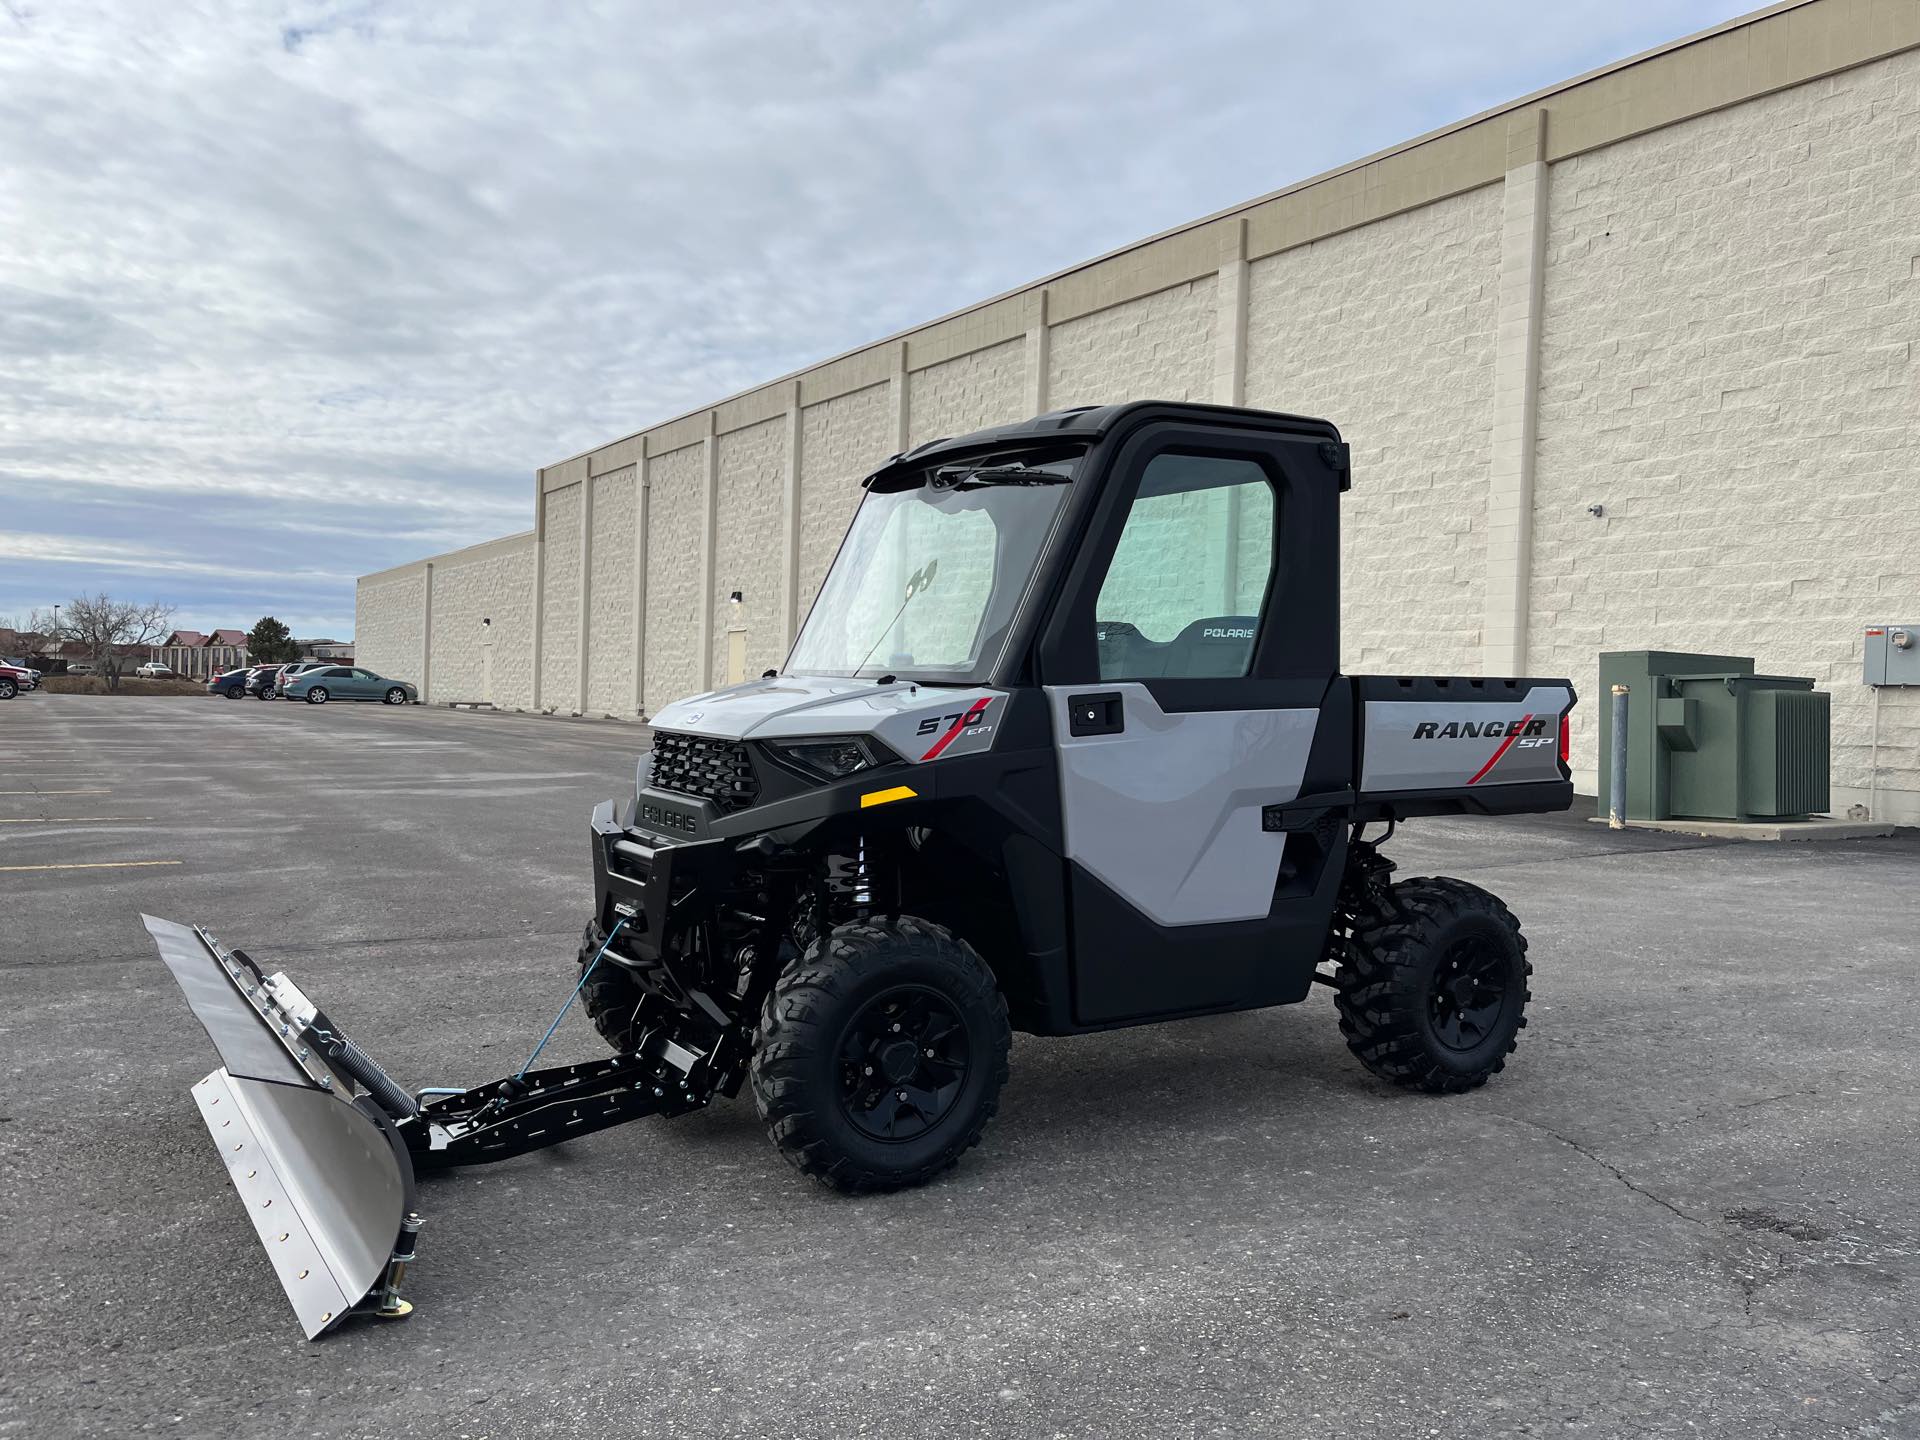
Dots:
(1501, 751)
(973, 717)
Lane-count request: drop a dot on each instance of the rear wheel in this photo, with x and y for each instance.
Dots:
(1432, 993)
(234, 692)
(317, 695)
(881, 1054)
(396, 696)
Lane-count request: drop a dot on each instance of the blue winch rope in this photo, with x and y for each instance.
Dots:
(584, 974)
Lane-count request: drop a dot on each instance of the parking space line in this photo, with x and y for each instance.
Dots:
(92, 865)
(73, 819)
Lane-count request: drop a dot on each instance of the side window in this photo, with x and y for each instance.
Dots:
(1182, 597)
(337, 674)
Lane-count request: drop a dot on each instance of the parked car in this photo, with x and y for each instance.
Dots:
(350, 682)
(261, 680)
(230, 683)
(14, 679)
(25, 676)
(154, 670)
(288, 673)
(83, 667)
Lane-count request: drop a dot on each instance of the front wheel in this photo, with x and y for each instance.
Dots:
(1432, 992)
(233, 692)
(317, 695)
(881, 1054)
(396, 696)
(7, 688)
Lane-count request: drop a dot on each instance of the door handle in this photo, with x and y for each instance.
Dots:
(1099, 714)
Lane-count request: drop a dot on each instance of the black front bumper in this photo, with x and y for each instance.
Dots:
(637, 877)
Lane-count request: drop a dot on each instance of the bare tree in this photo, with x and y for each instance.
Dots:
(104, 626)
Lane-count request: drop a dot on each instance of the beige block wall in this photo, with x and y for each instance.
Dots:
(488, 582)
(987, 387)
(842, 441)
(389, 627)
(1389, 331)
(560, 601)
(1156, 348)
(1728, 367)
(673, 576)
(610, 649)
(747, 536)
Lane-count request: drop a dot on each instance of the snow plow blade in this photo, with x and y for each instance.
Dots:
(325, 1179)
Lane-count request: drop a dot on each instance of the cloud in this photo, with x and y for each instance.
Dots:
(339, 273)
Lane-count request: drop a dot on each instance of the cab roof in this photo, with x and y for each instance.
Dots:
(1090, 422)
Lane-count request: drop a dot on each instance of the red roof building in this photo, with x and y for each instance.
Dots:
(189, 652)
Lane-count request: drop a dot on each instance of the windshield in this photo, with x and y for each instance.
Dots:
(931, 572)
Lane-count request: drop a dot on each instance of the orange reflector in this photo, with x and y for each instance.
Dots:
(887, 797)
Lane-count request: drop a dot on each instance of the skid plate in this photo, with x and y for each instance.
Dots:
(324, 1180)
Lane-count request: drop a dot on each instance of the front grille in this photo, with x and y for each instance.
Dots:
(716, 770)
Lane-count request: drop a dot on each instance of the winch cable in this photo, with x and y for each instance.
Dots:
(585, 975)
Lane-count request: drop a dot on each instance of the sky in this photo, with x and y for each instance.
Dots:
(290, 292)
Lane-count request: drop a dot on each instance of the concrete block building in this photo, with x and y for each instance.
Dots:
(1628, 363)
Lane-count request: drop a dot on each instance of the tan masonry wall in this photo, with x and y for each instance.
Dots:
(1682, 287)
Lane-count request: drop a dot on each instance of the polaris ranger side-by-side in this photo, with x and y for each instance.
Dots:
(1063, 745)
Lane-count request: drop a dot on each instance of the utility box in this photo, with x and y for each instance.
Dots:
(1707, 739)
(1892, 655)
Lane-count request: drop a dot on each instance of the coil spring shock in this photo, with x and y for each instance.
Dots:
(849, 883)
(1365, 890)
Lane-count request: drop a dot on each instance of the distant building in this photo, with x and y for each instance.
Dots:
(341, 650)
(189, 652)
(27, 645)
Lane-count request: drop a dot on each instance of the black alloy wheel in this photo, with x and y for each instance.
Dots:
(1468, 991)
(904, 1060)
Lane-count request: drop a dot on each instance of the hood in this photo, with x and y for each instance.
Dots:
(806, 705)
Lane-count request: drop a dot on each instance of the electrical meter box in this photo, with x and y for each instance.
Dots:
(1893, 655)
(1707, 739)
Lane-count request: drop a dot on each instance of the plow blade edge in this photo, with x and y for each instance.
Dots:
(325, 1180)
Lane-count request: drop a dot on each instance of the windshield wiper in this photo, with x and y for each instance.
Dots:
(970, 477)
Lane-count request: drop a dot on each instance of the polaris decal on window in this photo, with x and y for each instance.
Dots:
(1226, 632)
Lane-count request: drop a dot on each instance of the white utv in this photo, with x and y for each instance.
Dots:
(1063, 745)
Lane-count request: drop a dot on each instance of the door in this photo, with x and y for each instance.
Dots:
(1185, 673)
(366, 685)
(486, 672)
(736, 656)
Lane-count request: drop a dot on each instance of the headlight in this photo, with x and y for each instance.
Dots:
(832, 757)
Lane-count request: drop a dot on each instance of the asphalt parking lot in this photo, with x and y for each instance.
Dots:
(1691, 1205)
